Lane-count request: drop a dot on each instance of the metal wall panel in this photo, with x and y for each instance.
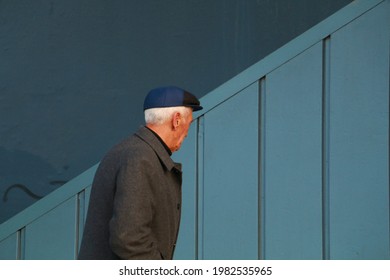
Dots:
(53, 236)
(292, 166)
(187, 241)
(9, 248)
(293, 158)
(230, 186)
(359, 143)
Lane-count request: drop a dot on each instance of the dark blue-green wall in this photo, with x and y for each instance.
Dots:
(73, 74)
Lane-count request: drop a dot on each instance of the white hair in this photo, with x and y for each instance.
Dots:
(159, 116)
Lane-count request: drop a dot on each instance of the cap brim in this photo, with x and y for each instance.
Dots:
(196, 108)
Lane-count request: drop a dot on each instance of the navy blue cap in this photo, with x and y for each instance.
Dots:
(171, 96)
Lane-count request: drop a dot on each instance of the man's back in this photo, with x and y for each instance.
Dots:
(135, 183)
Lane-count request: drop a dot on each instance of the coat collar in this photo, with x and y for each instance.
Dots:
(146, 135)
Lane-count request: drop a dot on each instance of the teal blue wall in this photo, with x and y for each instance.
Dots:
(292, 157)
(288, 160)
(73, 74)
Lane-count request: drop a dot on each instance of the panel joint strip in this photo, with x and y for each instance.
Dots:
(21, 244)
(261, 171)
(199, 219)
(325, 148)
(79, 221)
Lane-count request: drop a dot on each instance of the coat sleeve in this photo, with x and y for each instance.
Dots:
(131, 235)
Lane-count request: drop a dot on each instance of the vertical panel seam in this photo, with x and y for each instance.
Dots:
(77, 225)
(196, 233)
(197, 192)
(325, 148)
(79, 220)
(20, 250)
(261, 170)
(388, 136)
(199, 253)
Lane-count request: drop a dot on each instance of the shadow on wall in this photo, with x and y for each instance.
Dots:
(24, 179)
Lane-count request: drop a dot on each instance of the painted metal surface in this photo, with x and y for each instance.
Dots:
(292, 158)
(230, 185)
(9, 248)
(288, 160)
(359, 138)
(54, 231)
(187, 241)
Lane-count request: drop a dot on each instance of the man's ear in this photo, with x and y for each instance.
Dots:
(176, 120)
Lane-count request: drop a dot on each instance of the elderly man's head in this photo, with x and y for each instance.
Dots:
(168, 112)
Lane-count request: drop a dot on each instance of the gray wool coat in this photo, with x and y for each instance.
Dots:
(134, 207)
